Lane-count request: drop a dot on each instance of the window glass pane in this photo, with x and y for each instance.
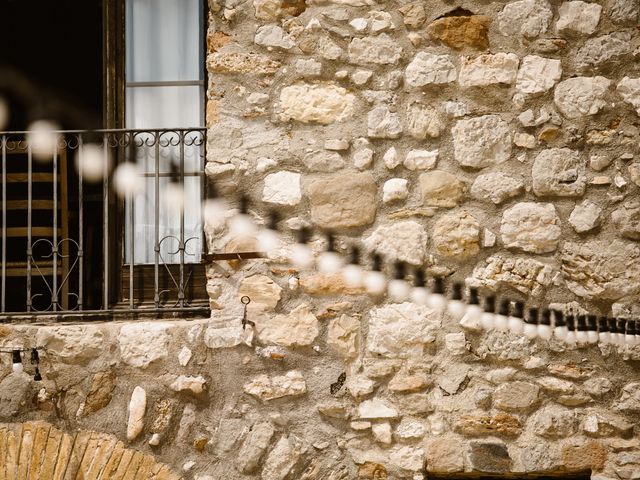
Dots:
(163, 40)
(163, 107)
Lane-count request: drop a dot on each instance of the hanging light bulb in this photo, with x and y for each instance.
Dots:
(329, 262)
(17, 366)
(516, 322)
(604, 336)
(35, 357)
(471, 317)
(398, 288)
(242, 224)
(530, 328)
(544, 327)
(268, 238)
(127, 179)
(301, 254)
(43, 139)
(559, 325)
(502, 318)
(571, 330)
(636, 333)
(488, 320)
(353, 273)
(581, 334)
(37, 377)
(215, 208)
(374, 281)
(436, 299)
(621, 327)
(592, 329)
(456, 307)
(419, 292)
(90, 162)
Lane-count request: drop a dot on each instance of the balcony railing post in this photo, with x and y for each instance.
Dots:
(181, 133)
(4, 223)
(80, 223)
(29, 204)
(54, 246)
(132, 225)
(105, 220)
(156, 223)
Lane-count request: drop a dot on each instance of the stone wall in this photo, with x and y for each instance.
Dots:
(493, 141)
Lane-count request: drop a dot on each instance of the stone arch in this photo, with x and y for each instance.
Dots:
(39, 451)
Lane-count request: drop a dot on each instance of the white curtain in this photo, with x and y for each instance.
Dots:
(163, 45)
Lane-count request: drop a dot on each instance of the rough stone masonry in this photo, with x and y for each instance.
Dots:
(497, 141)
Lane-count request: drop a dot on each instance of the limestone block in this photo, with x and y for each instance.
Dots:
(496, 187)
(323, 161)
(423, 121)
(459, 31)
(531, 227)
(579, 457)
(456, 343)
(430, 69)
(598, 51)
(457, 234)
(343, 335)
(382, 432)
(269, 388)
(242, 63)
(137, 408)
(323, 104)
(598, 386)
(500, 424)
(559, 172)
(254, 447)
(410, 429)
(403, 383)
(553, 421)
(516, 396)
(629, 401)
(71, 343)
(333, 284)
(624, 12)
(395, 189)
(383, 123)
(407, 458)
(538, 74)
(445, 455)
(481, 141)
(193, 384)
(343, 200)
(308, 67)
(629, 89)
(100, 391)
(363, 158)
(391, 158)
(282, 459)
(488, 69)
(585, 216)
(489, 457)
(421, 159)
(282, 188)
(378, 50)
(376, 408)
(600, 423)
(601, 269)
(220, 336)
(401, 330)
(143, 343)
(441, 189)
(405, 241)
(580, 96)
(15, 390)
(298, 327)
(414, 15)
(578, 17)
(529, 18)
(273, 36)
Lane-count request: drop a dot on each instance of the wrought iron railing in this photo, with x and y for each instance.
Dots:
(72, 245)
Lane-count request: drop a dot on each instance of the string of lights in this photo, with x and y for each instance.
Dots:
(17, 362)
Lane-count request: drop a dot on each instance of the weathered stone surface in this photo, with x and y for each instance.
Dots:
(457, 234)
(578, 17)
(428, 68)
(282, 188)
(601, 269)
(282, 459)
(323, 104)
(143, 343)
(579, 96)
(383, 123)
(488, 69)
(323, 161)
(402, 383)
(599, 423)
(601, 50)
(516, 396)
(71, 343)
(555, 385)
(137, 409)
(529, 18)
(538, 74)
(343, 335)
(332, 284)
(531, 227)
(376, 408)
(410, 429)
(629, 401)
(254, 447)
(382, 432)
(440, 189)
(195, 384)
(395, 189)
(343, 200)
(223, 335)
(585, 216)
(461, 31)
(489, 457)
(405, 241)
(380, 50)
(559, 172)
(481, 141)
(401, 330)
(499, 424)
(422, 121)
(407, 458)
(526, 275)
(444, 455)
(242, 63)
(624, 12)
(273, 36)
(587, 456)
(15, 390)
(269, 388)
(629, 89)
(496, 187)
(554, 421)
(100, 391)
(298, 327)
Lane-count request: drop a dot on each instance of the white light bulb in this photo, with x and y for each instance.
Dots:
(375, 282)
(268, 240)
(501, 323)
(487, 320)
(302, 256)
(437, 302)
(4, 113)
(457, 309)
(604, 337)
(592, 337)
(530, 330)
(17, 368)
(471, 318)
(329, 262)
(353, 275)
(43, 139)
(545, 332)
(242, 225)
(628, 339)
(127, 179)
(173, 197)
(90, 163)
(561, 332)
(214, 211)
(571, 337)
(581, 336)
(419, 295)
(516, 325)
(399, 290)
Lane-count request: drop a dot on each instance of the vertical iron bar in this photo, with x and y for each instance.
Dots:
(181, 133)
(4, 222)
(54, 290)
(80, 222)
(105, 221)
(130, 196)
(29, 251)
(156, 245)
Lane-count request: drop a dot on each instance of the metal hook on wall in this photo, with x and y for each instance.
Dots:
(245, 300)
